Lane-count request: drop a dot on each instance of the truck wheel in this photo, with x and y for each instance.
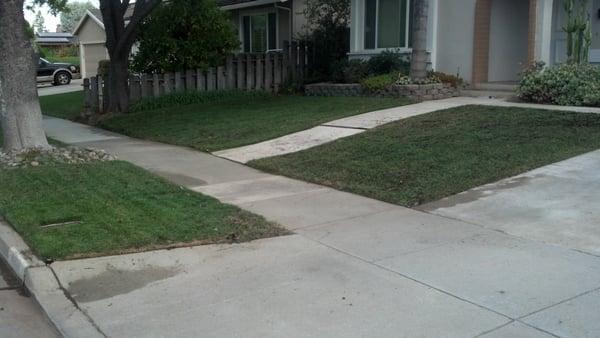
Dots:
(62, 78)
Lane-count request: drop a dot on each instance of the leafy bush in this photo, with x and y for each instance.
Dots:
(453, 80)
(190, 97)
(377, 83)
(388, 61)
(406, 80)
(567, 84)
(329, 37)
(352, 71)
(184, 34)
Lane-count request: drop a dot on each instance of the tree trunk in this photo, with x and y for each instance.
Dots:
(20, 113)
(118, 90)
(418, 65)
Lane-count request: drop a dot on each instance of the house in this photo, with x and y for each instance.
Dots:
(483, 41)
(265, 25)
(92, 40)
(57, 40)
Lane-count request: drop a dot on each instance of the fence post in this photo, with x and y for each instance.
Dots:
(87, 94)
(221, 80)
(167, 83)
(134, 89)
(285, 62)
(178, 82)
(189, 79)
(268, 72)
(210, 79)
(200, 80)
(103, 88)
(144, 86)
(277, 71)
(241, 76)
(259, 84)
(155, 85)
(249, 72)
(301, 60)
(230, 73)
(293, 62)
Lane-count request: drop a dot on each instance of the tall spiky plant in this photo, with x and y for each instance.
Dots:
(578, 29)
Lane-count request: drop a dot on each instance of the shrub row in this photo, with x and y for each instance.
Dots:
(567, 84)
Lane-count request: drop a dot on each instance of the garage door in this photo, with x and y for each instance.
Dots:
(92, 54)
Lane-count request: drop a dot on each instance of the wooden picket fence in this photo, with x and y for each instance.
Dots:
(268, 71)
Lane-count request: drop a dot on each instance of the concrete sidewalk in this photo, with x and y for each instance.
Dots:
(353, 125)
(356, 267)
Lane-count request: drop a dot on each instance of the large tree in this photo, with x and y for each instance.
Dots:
(73, 13)
(418, 64)
(20, 114)
(120, 37)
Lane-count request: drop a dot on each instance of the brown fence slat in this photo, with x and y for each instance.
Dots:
(200, 80)
(221, 79)
(189, 80)
(230, 72)
(249, 72)
(259, 84)
(240, 72)
(210, 79)
(267, 71)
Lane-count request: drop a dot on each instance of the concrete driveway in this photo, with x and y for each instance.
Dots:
(48, 89)
(557, 204)
(356, 267)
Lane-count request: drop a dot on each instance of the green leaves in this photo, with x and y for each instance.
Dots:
(184, 34)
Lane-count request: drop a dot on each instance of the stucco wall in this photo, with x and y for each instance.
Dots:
(455, 37)
(90, 31)
(509, 29)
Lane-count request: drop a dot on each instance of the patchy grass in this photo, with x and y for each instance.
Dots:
(65, 106)
(212, 126)
(115, 207)
(428, 157)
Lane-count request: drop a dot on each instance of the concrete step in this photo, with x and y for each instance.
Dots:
(492, 94)
(497, 86)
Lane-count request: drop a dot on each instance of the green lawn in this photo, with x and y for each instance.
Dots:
(237, 122)
(116, 207)
(65, 106)
(425, 158)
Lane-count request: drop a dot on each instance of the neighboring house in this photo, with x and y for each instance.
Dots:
(265, 25)
(55, 40)
(484, 41)
(92, 40)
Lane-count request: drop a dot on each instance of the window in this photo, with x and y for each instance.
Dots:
(259, 32)
(387, 24)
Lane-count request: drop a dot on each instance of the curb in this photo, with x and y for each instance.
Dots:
(44, 287)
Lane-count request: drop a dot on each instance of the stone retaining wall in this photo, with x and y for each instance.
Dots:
(425, 92)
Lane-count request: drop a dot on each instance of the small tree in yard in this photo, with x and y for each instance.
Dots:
(184, 34)
(39, 24)
(119, 40)
(328, 22)
(20, 114)
(418, 64)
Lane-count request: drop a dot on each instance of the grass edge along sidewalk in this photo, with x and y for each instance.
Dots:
(431, 156)
(103, 208)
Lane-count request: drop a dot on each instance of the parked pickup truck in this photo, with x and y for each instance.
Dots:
(57, 73)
